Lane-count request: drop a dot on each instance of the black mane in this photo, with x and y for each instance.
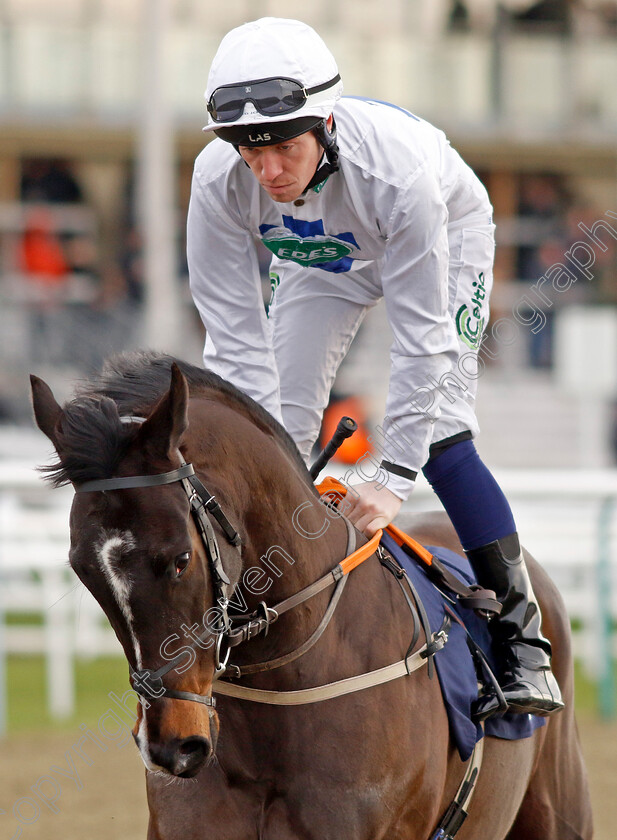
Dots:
(93, 440)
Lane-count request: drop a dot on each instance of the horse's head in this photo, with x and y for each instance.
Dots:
(139, 552)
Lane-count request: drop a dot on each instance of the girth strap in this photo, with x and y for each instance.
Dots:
(456, 814)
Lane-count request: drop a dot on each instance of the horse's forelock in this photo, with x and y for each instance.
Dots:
(94, 440)
(136, 380)
(91, 441)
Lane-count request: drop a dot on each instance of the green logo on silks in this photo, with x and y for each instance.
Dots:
(469, 319)
(275, 282)
(309, 251)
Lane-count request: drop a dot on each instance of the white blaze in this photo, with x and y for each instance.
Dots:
(109, 551)
(111, 546)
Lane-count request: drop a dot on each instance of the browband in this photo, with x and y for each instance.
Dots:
(136, 480)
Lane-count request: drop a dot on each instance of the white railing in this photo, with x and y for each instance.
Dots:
(57, 616)
(567, 520)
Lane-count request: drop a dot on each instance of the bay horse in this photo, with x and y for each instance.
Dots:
(376, 764)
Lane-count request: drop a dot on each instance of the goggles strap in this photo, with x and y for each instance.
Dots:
(324, 86)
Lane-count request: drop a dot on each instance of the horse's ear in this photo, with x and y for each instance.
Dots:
(163, 430)
(47, 412)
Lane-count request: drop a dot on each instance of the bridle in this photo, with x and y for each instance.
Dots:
(236, 629)
(146, 682)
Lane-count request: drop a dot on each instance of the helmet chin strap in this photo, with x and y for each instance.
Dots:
(327, 139)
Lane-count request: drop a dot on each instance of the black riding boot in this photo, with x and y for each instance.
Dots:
(527, 681)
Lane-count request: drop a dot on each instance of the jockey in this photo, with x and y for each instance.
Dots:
(358, 200)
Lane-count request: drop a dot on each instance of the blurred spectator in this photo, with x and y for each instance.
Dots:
(550, 253)
(108, 319)
(459, 20)
(45, 269)
(50, 180)
(527, 15)
(42, 255)
(92, 310)
(541, 208)
(602, 288)
(556, 229)
(547, 14)
(596, 17)
(131, 266)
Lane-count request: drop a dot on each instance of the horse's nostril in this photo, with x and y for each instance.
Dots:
(182, 758)
(190, 757)
(192, 746)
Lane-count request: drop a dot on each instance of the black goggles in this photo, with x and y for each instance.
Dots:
(271, 97)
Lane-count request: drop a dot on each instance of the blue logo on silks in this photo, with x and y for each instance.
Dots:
(307, 244)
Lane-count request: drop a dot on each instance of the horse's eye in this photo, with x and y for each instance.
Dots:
(182, 561)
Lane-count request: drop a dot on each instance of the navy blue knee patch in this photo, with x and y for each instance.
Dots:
(472, 498)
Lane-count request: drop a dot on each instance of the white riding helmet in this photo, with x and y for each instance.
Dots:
(271, 70)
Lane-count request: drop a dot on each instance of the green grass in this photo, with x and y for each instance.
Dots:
(587, 697)
(27, 695)
(34, 619)
(27, 701)
(585, 691)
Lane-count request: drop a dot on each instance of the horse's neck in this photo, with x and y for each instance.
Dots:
(296, 540)
(300, 544)
(288, 535)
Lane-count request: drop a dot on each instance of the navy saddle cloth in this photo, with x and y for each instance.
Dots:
(454, 663)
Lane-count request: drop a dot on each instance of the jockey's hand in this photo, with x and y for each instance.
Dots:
(370, 506)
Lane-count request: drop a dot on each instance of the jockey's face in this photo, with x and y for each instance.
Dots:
(285, 169)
